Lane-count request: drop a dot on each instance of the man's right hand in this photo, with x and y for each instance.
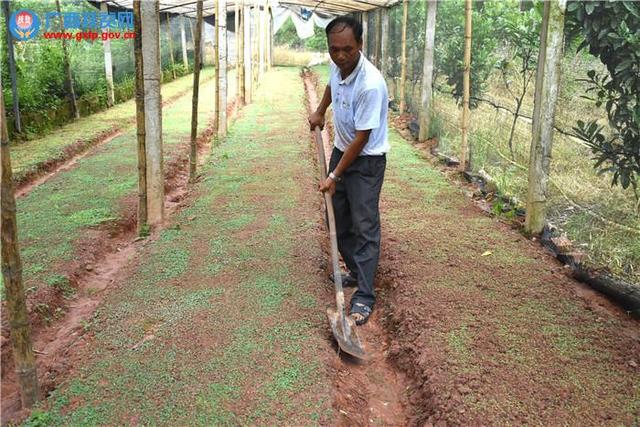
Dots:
(316, 119)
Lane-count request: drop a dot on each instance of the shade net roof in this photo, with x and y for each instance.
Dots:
(188, 7)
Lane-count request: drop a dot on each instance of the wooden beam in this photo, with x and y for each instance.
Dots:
(466, 85)
(427, 70)
(365, 34)
(240, 36)
(546, 99)
(108, 62)
(378, 48)
(403, 58)
(216, 62)
(140, 121)
(170, 45)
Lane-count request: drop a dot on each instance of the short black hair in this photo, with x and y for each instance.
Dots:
(343, 22)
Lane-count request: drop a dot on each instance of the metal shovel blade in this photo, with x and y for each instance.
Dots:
(345, 335)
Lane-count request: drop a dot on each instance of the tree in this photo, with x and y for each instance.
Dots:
(610, 31)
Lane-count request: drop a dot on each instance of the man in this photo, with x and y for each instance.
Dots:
(359, 97)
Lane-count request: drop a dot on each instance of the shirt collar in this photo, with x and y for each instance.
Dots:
(354, 73)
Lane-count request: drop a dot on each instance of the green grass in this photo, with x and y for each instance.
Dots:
(28, 156)
(208, 331)
(55, 216)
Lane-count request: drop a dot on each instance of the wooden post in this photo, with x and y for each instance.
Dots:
(216, 64)
(427, 70)
(240, 36)
(193, 37)
(384, 42)
(143, 219)
(12, 69)
(261, 31)
(153, 110)
(365, 34)
(108, 63)
(170, 45)
(542, 50)
(24, 359)
(183, 41)
(248, 67)
(378, 37)
(67, 68)
(236, 17)
(256, 47)
(403, 59)
(270, 40)
(546, 98)
(193, 155)
(466, 84)
(222, 51)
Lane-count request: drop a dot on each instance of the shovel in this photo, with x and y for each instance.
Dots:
(343, 327)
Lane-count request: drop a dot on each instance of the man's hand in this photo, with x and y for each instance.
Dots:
(328, 185)
(316, 119)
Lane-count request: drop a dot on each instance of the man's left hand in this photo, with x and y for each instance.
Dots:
(328, 185)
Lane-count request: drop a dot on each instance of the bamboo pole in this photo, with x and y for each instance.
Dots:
(365, 34)
(16, 304)
(378, 37)
(150, 18)
(170, 45)
(108, 62)
(236, 17)
(222, 51)
(546, 99)
(427, 70)
(466, 84)
(248, 63)
(193, 154)
(67, 68)
(384, 40)
(216, 64)
(183, 41)
(261, 39)
(240, 34)
(12, 68)
(403, 59)
(140, 121)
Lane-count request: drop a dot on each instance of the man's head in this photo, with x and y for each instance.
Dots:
(344, 37)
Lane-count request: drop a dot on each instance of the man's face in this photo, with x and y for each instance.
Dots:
(343, 48)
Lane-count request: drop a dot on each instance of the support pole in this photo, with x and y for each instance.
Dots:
(365, 34)
(16, 304)
(216, 64)
(378, 37)
(108, 63)
(150, 11)
(222, 51)
(403, 59)
(427, 71)
(269, 37)
(193, 154)
(12, 68)
(466, 88)
(240, 36)
(67, 68)
(546, 98)
(248, 67)
(170, 45)
(236, 16)
(183, 41)
(140, 121)
(384, 42)
(261, 37)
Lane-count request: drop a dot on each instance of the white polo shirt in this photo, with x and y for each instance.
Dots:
(360, 102)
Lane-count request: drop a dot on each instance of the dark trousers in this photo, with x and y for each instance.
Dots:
(356, 203)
